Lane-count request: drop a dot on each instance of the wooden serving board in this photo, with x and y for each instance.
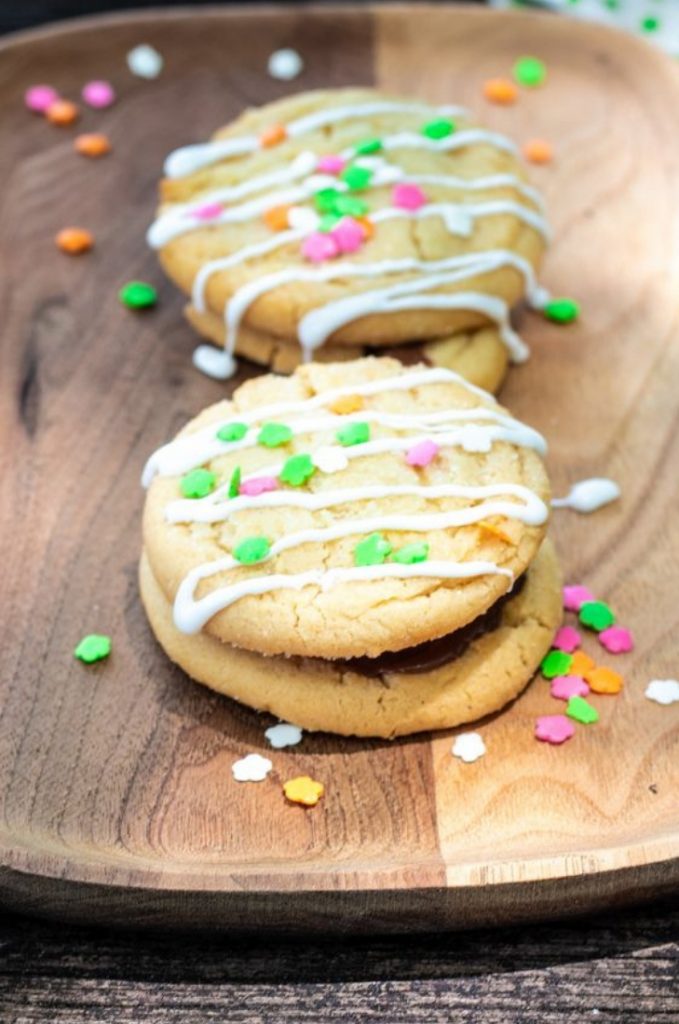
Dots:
(117, 799)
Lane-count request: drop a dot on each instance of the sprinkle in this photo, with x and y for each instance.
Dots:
(353, 433)
(348, 235)
(251, 550)
(297, 470)
(285, 64)
(198, 483)
(580, 710)
(650, 24)
(138, 295)
(410, 554)
(301, 218)
(474, 438)
(554, 729)
(232, 432)
(209, 211)
(62, 112)
(616, 640)
(596, 615)
(326, 199)
(357, 178)
(495, 531)
(561, 311)
(319, 247)
(331, 164)
(565, 687)
(92, 144)
(575, 596)
(530, 71)
(567, 639)
(372, 550)
(422, 453)
(251, 768)
(144, 61)
(74, 241)
(273, 435)
(39, 97)
(367, 147)
(350, 206)
(440, 128)
(469, 747)
(407, 197)
(93, 647)
(346, 404)
(604, 680)
(98, 94)
(303, 790)
(272, 135)
(330, 459)
(257, 485)
(500, 90)
(234, 483)
(663, 691)
(556, 663)
(581, 664)
(538, 151)
(283, 735)
(276, 218)
(367, 225)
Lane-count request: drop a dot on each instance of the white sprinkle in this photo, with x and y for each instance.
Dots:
(663, 691)
(214, 362)
(330, 459)
(589, 495)
(285, 65)
(301, 218)
(144, 61)
(252, 768)
(469, 747)
(475, 439)
(283, 735)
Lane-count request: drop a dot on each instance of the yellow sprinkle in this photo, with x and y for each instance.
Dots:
(303, 790)
(496, 531)
(346, 404)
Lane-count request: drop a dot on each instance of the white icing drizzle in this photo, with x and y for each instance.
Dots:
(589, 495)
(214, 362)
(188, 159)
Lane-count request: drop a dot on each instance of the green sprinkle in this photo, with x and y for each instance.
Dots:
(368, 146)
(273, 435)
(328, 221)
(234, 483)
(297, 470)
(530, 71)
(440, 128)
(373, 550)
(357, 178)
(232, 432)
(138, 295)
(581, 711)
(556, 663)
(650, 24)
(198, 483)
(411, 553)
(353, 433)
(93, 647)
(596, 615)
(325, 200)
(613, 5)
(252, 549)
(351, 206)
(562, 311)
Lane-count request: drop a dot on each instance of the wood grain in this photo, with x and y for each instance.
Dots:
(117, 799)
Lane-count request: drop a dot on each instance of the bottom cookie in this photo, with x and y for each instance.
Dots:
(478, 354)
(489, 671)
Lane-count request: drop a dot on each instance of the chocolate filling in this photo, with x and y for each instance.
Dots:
(433, 653)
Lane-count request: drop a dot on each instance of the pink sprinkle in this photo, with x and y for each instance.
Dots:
(554, 729)
(331, 164)
(422, 453)
(408, 197)
(39, 97)
(257, 485)
(565, 687)
(207, 212)
(348, 235)
(575, 596)
(616, 639)
(98, 94)
(567, 639)
(319, 247)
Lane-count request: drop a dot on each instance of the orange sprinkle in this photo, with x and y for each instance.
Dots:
(500, 90)
(62, 112)
(303, 790)
(496, 531)
(346, 404)
(74, 240)
(92, 144)
(537, 151)
(272, 135)
(604, 680)
(367, 225)
(277, 218)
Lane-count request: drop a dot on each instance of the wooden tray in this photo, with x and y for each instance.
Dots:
(117, 799)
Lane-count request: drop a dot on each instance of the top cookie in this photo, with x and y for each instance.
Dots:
(348, 510)
(351, 217)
